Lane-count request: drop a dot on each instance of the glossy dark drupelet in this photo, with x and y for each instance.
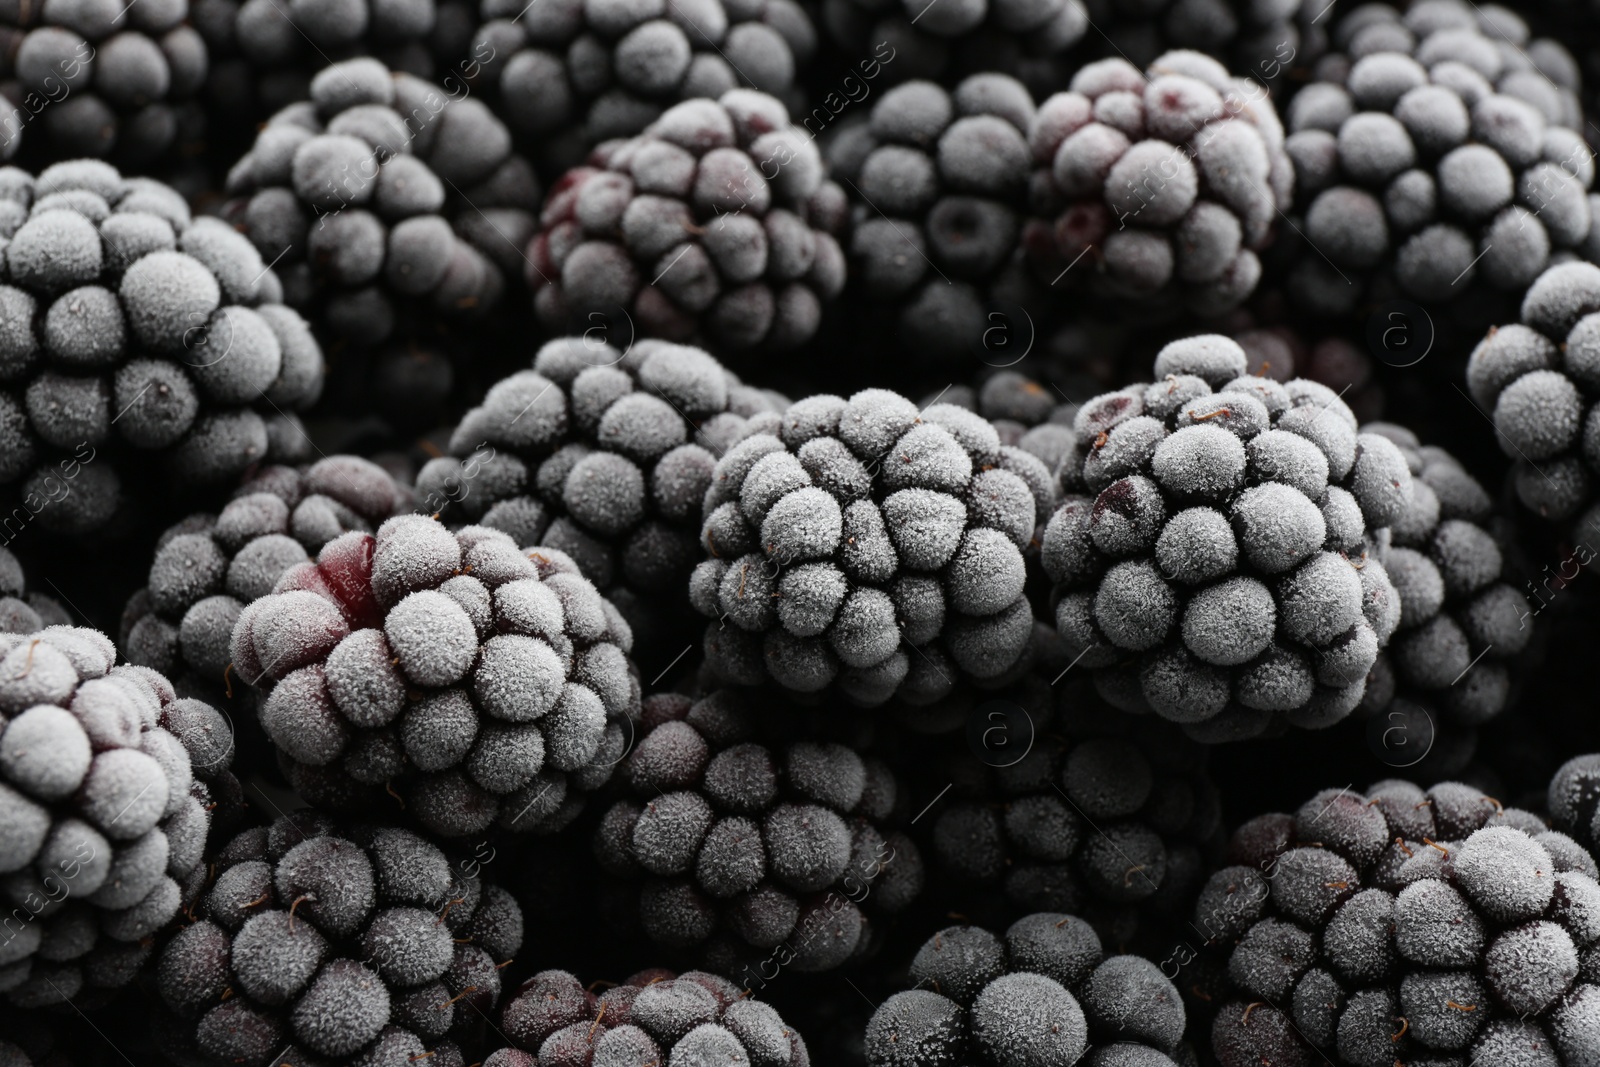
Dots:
(715, 226)
(866, 544)
(653, 1017)
(133, 330)
(752, 857)
(320, 942)
(1045, 993)
(384, 191)
(1159, 185)
(1436, 150)
(1429, 927)
(107, 786)
(1218, 555)
(481, 682)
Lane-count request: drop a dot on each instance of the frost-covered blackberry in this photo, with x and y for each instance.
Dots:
(1265, 41)
(100, 79)
(938, 186)
(131, 330)
(714, 225)
(1044, 993)
(604, 455)
(1159, 185)
(1436, 149)
(207, 567)
(569, 76)
(480, 683)
(23, 611)
(1403, 927)
(866, 543)
(105, 808)
(1115, 827)
(1462, 625)
(748, 852)
(380, 191)
(315, 942)
(1218, 553)
(653, 1017)
(1539, 380)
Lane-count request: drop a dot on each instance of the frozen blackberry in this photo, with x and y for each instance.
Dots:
(1462, 625)
(207, 568)
(1403, 926)
(21, 611)
(1539, 380)
(569, 77)
(1218, 553)
(1267, 42)
(748, 853)
(866, 543)
(477, 682)
(1431, 153)
(1045, 993)
(131, 328)
(315, 942)
(714, 225)
(653, 1017)
(100, 80)
(381, 191)
(604, 455)
(1167, 182)
(1115, 827)
(938, 185)
(105, 805)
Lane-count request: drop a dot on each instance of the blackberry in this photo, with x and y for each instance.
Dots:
(1169, 181)
(1266, 41)
(105, 805)
(1430, 152)
(21, 611)
(938, 186)
(207, 568)
(570, 77)
(1044, 993)
(1218, 556)
(752, 855)
(602, 454)
(381, 191)
(1116, 826)
(1404, 926)
(715, 223)
(653, 1017)
(132, 328)
(474, 681)
(345, 943)
(1462, 626)
(100, 80)
(866, 543)
(1538, 380)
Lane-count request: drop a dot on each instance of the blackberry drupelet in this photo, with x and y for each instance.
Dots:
(1045, 993)
(207, 568)
(21, 611)
(476, 682)
(653, 1017)
(605, 455)
(752, 855)
(318, 942)
(381, 191)
(714, 225)
(131, 328)
(570, 76)
(1167, 182)
(1218, 556)
(106, 791)
(1404, 926)
(871, 545)
(1432, 152)
(101, 79)
(938, 184)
